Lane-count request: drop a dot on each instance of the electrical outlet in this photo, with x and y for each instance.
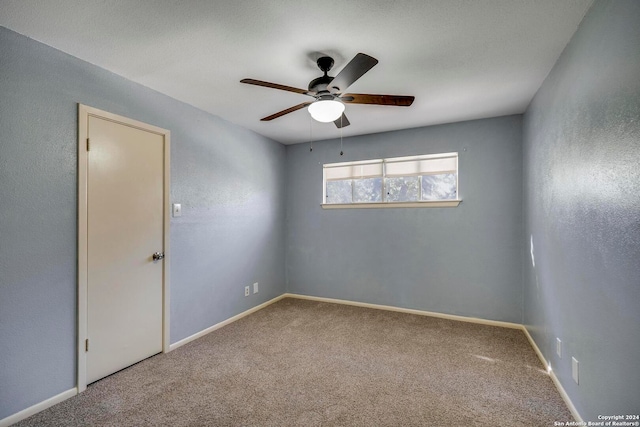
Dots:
(574, 369)
(255, 288)
(559, 347)
(246, 291)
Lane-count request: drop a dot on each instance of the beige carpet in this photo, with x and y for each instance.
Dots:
(304, 363)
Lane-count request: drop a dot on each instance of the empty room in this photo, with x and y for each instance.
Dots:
(298, 213)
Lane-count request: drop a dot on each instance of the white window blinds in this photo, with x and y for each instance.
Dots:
(353, 170)
(398, 166)
(428, 166)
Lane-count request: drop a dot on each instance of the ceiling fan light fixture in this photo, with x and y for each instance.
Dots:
(326, 111)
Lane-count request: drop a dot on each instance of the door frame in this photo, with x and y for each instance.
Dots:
(84, 112)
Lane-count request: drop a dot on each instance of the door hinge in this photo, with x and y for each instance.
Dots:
(86, 345)
(87, 144)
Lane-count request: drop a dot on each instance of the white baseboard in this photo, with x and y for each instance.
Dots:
(409, 311)
(32, 410)
(346, 302)
(556, 382)
(223, 323)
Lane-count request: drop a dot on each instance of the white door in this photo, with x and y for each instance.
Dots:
(125, 223)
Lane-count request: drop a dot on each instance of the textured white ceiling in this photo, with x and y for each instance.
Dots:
(461, 59)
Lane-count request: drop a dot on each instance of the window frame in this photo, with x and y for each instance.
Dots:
(384, 203)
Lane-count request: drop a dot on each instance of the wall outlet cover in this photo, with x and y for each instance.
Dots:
(246, 291)
(575, 369)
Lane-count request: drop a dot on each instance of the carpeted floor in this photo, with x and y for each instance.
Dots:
(305, 363)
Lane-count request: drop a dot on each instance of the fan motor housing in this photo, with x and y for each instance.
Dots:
(325, 63)
(320, 84)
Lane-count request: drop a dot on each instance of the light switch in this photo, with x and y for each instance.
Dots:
(177, 210)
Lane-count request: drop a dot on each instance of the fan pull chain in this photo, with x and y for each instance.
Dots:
(310, 134)
(341, 152)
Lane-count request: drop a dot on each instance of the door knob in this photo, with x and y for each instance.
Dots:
(158, 256)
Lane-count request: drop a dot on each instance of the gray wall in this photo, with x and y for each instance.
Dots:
(230, 181)
(582, 205)
(464, 261)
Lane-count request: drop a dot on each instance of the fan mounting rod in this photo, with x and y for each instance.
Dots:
(319, 85)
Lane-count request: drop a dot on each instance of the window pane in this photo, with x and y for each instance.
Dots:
(439, 187)
(367, 190)
(402, 189)
(339, 191)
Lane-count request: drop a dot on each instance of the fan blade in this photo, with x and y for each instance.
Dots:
(342, 121)
(359, 65)
(275, 86)
(362, 98)
(287, 111)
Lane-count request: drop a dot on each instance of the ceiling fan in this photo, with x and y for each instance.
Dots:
(329, 92)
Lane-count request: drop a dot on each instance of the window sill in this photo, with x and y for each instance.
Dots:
(430, 204)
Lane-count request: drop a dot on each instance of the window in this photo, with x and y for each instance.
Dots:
(430, 180)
